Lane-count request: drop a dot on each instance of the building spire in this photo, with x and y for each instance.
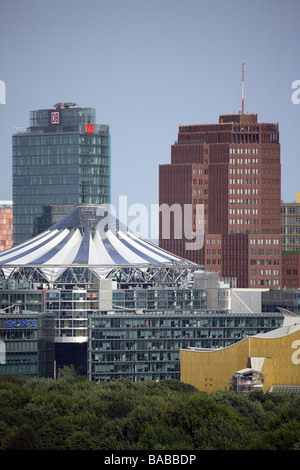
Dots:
(243, 88)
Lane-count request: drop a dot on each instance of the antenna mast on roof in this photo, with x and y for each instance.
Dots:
(242, 88)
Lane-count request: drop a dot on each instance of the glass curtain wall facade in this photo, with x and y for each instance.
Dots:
(147, 346)
(290, 226)
(286, 299)
(61, 160)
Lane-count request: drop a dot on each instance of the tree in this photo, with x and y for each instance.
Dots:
(21, 439)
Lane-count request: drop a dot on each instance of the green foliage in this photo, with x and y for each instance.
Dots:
(72, 413)
(22, 438)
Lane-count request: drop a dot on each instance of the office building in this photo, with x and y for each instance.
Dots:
(147, 346)
(290, 232)
(27, 344)
(232, 171)
(283, 299)
(60, 160)
(6, 225)
(290, 225)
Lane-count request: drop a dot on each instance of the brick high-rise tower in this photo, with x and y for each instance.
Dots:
(232, 168)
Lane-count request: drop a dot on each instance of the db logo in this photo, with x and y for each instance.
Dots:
(89, 129)
(296, 354)
(55, 117)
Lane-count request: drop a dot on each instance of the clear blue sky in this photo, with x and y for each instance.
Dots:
(147, 67)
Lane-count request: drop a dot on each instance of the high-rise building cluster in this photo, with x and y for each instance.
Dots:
(79, 287)
(231, 169)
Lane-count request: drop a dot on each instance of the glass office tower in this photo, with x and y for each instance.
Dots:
(61, 160)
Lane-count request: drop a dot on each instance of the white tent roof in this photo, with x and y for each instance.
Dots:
(87, 236)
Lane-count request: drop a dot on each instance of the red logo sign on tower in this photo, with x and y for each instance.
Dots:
(55, 117)
(89, 128)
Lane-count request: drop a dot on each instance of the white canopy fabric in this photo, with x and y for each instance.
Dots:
(87, 237)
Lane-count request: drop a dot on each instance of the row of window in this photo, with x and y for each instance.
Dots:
(241, 191)
(246, 161)
(43, 141)
(50, 153)
(64, 186)
(243, 221)
(290, 261)
(262, 272)
(261, 252)
(240, 151)
(262, 241)
(293, 283)
(163, 323)
(244, 262)
(242, 181)
(290, 220)
(262, 282)
(242, 201)
(291, 240)
(290, 273)
(62, 160)
(261, 262)
(7, 334)
(253, 241)
(19, 346)
(245, 211)
(19, 369)
(291, 210)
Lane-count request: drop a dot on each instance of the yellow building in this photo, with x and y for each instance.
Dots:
(265, 360)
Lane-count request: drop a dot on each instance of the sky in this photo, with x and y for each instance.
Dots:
(148, 67)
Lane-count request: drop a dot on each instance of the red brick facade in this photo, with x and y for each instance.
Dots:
(232, 168)
(291, 270)
(6, 227)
